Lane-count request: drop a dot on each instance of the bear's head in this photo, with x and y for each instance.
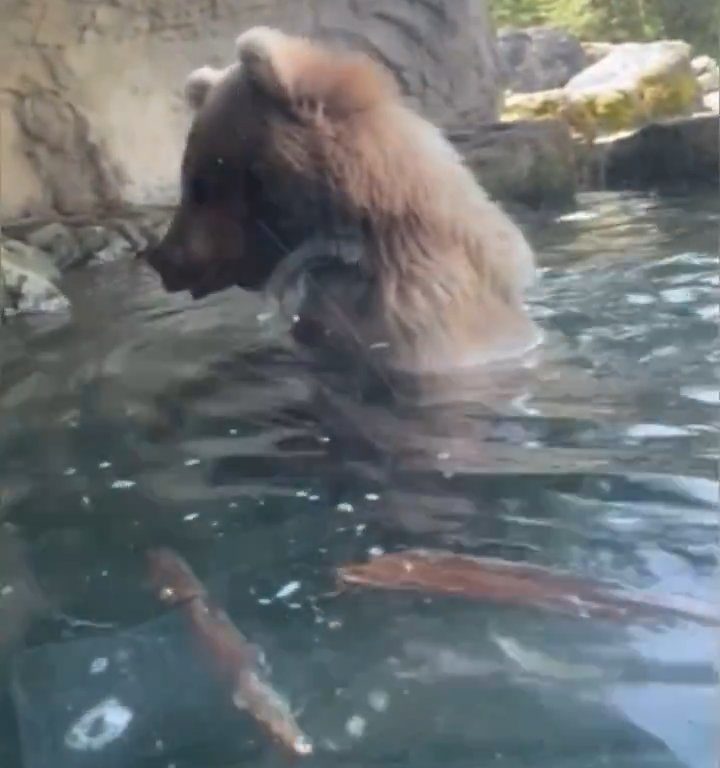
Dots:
(257, 172)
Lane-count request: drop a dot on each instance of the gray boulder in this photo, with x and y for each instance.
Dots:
(707, 72)
(674, 154)
(538, 58)
(29, 280)
(92, 239)
(527, 162)
(118, 247)
(58, 242)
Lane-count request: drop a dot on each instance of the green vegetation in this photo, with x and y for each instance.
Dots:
(696, 21)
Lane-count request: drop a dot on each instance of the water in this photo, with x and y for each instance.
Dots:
(146, 419)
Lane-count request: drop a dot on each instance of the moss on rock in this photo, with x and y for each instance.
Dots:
(635, 84)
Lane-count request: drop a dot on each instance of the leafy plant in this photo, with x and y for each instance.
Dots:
(696, 21)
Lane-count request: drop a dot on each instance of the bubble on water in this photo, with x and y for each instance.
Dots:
(372, 497)
(709, 395)
(678, 295)
(303, 746)
(709, 311)
(656, 430)
(289, 589)
(122, 484)
(355, 726)
(99, 726)
(378, 700)
(99, 665)
(639, 299)
(345, 506)
(576, 216)
(191, 462)
(376, 551)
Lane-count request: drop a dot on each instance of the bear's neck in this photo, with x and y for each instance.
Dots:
(434, 307)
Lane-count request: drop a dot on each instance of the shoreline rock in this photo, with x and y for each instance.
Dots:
(36, 252)
(707, 71)
(29, 280)
(635, 84)
(527, 162)
(679, 154)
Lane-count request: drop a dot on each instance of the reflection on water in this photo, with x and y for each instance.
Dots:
(147, 419)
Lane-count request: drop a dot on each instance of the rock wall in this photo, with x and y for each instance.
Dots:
(91, 113)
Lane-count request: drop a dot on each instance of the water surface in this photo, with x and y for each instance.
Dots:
(148, 419)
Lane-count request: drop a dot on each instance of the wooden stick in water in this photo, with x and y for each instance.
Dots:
(508, 583)
(235, 658)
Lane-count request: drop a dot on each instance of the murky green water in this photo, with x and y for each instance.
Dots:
(146, 419)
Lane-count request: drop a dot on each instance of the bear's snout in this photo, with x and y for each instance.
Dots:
(179, 272)
(174, 270)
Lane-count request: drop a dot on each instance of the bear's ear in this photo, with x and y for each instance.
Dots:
(302, 73)
(199, 84)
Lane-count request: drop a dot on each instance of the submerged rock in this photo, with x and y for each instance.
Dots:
(538, 58)
(29, 279)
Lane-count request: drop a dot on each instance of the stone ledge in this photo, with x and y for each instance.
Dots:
(527, 162)
(677, 153)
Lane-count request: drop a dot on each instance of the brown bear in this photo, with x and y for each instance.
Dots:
(297, 140)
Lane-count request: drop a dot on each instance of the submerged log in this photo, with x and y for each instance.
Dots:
(507, 583)
(237, 661)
